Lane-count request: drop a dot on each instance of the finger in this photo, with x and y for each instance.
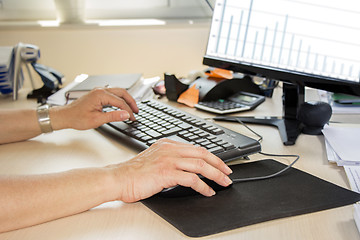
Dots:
(193, 181)
(116, 116)
(190, 151)
(122, 93)
(199, 166)
(116, 101)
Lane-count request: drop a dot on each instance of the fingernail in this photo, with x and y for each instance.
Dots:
(228, 170)
(124, 115)
(227, 180)
(212, 193)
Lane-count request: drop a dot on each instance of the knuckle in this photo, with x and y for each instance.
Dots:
(200, 163)
(219, 175)
(112, 117)
(97, 92)
(194, 179)
(161, 140)
(203, 151)
(163, 143)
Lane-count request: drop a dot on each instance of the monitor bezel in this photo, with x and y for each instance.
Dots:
(295, 77)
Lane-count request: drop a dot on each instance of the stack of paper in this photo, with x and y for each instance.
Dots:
(357, 215)
(139, 88)
(342, 148)
(342, 145)
(6, 63)
(353, 174)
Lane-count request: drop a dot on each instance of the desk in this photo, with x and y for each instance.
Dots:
(68, 149)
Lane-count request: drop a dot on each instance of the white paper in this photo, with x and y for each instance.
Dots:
(357, 215)
(334, 158)
(59, 98)
(353, 175)
(344, 141)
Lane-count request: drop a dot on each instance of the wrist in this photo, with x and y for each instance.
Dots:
(117, 181)
(43, 117)
(109, 185)
(58, 118)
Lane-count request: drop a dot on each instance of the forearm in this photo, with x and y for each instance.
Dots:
(18, 125)
(34, 199)
(84, 113)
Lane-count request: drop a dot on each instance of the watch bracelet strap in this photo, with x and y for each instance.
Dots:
(44, 118)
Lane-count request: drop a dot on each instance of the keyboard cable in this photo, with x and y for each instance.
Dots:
(297, 157)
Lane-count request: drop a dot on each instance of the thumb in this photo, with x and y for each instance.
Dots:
(116, 116)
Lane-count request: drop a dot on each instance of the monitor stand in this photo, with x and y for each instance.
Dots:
(288, 125)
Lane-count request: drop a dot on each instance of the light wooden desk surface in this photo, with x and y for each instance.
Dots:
(67, 149)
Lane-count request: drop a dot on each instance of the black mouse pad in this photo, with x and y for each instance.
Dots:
(291, 193)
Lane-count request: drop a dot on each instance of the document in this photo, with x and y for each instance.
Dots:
(353, 174)
(357, 215)
(112, 80)
(140, 90)
(344, 142)
(58, 98)
(333, 157)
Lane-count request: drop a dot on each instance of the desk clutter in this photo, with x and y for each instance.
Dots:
(12, 60)
(109, 80)
(251, 202)
(6, 70)
(208, 90)
(341, 103)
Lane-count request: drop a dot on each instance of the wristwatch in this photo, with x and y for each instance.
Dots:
(44, 118)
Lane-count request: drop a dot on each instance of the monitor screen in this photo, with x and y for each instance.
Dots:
(315, 43)
(300, 42)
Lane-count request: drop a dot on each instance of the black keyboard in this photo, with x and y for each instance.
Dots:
(157, 120)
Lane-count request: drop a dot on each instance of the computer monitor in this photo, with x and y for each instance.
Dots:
(300, 42)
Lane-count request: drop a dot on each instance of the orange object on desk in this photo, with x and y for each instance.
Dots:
(190, 97)
(220, 73)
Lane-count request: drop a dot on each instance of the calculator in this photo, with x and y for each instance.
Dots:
(239, 102)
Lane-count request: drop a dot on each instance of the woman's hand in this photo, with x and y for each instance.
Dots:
(86, 112)
(165, 164)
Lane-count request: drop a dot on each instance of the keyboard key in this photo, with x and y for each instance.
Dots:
(154, 133)
(228, 146)
(171, 131)
(184, 125)
(216, 150)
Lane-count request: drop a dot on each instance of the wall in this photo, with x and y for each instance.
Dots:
(93, 50)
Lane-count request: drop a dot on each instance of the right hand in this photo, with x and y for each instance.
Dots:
(165, 164)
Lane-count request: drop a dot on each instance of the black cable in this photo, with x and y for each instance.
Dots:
(237, 180)
(242, 123)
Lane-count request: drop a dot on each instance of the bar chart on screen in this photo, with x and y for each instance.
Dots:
(295, 35)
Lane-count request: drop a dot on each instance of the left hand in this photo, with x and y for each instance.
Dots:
(86, 112)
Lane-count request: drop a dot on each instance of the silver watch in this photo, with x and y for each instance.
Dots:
(44, 118)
